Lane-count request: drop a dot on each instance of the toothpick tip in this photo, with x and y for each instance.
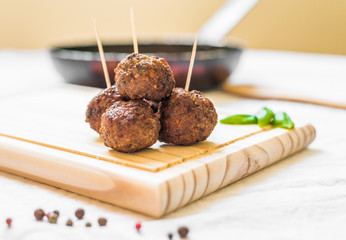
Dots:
(134, 34)
(102, 56)
(192, 60)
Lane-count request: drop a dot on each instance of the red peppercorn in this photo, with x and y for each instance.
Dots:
(102, 221)
(9, 222)
(79, 213)
(39, 214)
(138, 226)
(183, 231)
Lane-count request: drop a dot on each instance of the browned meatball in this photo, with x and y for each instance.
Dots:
(186, 117)
(139, 76)
(129, 126)
(99, 104)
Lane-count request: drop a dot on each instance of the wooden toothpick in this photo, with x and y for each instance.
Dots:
(102, 55)
(192, 60)
(134, 34)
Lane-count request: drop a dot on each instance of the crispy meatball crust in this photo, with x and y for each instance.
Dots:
(129, 126)
(99, 104)
(186, 117)
(139, 76)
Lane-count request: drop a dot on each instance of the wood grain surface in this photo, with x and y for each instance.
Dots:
(44, 137)
(56, 119)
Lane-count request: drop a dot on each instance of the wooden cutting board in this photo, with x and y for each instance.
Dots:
(44, 137)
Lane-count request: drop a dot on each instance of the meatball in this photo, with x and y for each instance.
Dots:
(129, 126)
(99, 104)
(186, 117)
(139, 76)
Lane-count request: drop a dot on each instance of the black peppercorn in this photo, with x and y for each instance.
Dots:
(69, 223)
(39, 214)
(102, 221)
(170, 236)
(56, 212)
(183, 231)
(79, 213)
(52, 218)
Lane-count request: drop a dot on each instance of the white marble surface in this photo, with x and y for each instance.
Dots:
(319, 76)
(22, 71)
(301, 197)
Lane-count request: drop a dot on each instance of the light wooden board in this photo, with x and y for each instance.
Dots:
(57, 119)
(44, 137)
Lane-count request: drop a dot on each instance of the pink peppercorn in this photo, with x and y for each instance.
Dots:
(138, 226)
(9, 222)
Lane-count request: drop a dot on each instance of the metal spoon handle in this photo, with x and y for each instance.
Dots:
(224, 20)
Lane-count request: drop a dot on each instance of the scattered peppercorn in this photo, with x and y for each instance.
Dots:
(39, 214)
(170, 236)
(138, 226)
(69, 223)
(79, 213)
(102, 221)
(9, 222)
(88, 224)
(56, 212)
(52, 218)
(183, 231)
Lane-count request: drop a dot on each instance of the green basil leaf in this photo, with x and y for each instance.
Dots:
(282, 120)
(240, 119)
(265, 117)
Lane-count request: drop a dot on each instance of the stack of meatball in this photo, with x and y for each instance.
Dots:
(143, 106)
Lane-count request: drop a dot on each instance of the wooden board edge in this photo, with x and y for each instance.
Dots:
(153, 194)
(231, 164)
(122, 186)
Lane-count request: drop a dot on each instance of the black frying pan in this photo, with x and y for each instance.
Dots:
(213, 64)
